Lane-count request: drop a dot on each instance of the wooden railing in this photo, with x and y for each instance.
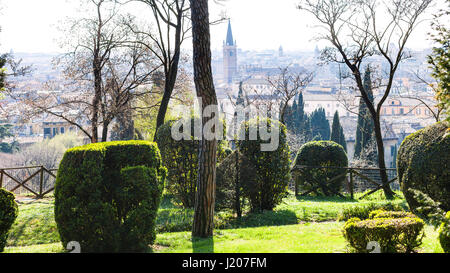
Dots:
(352, 175)
(36, 180)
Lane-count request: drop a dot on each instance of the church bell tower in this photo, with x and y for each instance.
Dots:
(229, 57)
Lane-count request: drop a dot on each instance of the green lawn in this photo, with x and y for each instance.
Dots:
(325, 237)
(299, 224)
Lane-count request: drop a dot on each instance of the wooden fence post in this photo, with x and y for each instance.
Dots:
(41, 182)
(1, 179)
(351, 184)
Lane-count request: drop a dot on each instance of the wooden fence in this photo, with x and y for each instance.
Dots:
(358, 179)
(36, 180)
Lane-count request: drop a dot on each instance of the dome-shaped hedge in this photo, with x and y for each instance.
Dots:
(321, 154)
(8, 214)
(423, 164)
(107, 196)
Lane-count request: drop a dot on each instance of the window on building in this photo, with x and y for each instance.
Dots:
(62, 130)
(47, 131)
(402, 111)
(418, 111)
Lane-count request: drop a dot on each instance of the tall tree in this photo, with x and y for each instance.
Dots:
(365, 129)
(203, 225)
(320, 125)
(439, 59)
(356, 32)
(337, 132)
(104, 71)
(171, 18)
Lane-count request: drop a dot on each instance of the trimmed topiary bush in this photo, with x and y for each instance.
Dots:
(392, 234)
(272, 170)
(444, 233)
(181, 160)
(107, 196)
(423, 164)
(8, 214)
(321, 154)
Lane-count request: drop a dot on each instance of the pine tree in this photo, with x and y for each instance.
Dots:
(337, 132)
(320, 125)
(365, 130)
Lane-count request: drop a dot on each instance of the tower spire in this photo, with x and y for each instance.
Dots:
(230, 41)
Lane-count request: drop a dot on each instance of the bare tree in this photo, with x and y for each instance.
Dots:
(356, 32)
(203, 225)
(286, 86)
(104, 71)
(171, 18)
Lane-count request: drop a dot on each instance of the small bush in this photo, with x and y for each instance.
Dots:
(181, 160)
(272, 171)
(362, 211)
(444, 234)
(392, 234)
(104, 203)
(423, 164)
(321, 154)
(390, 214)
(8, 214)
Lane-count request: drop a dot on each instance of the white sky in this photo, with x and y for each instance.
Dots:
(30, 25)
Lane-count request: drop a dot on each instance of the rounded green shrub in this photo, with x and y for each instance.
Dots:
(444, 234)
(8, 214)
(180, 157)
(107, 196)
(321, 154)
(392, 234)
(423, 164)
(272, 168)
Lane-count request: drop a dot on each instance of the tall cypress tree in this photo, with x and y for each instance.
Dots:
(365, 129)
(337, 132)
(320, 125)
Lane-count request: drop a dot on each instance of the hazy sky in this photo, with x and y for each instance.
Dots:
(30, 25)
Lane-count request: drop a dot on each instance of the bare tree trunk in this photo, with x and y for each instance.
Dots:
(203, 225)
(381, 162)
(95, 103)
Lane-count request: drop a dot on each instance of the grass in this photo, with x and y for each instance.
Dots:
(299, 224)
(325, 237)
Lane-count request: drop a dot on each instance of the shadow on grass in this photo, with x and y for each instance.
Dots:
(266, 218)
(203, 245)
(335, 199)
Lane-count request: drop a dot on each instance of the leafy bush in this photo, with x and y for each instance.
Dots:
(321, 154)
(272, 172)
(444, 233)
(392, 234)
(8, 214)
(381, 213)
(363, 211)
(424, 164)
(104, 203)
(232, 175)
(181, 160)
